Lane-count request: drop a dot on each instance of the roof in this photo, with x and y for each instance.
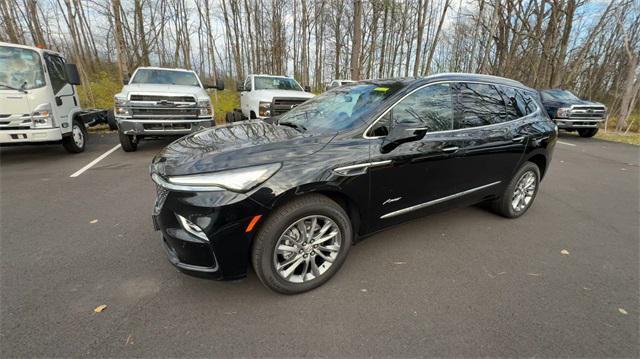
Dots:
(162, 68)
(32, 48)
(463, 76)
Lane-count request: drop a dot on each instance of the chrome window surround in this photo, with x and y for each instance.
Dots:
(437, 201)
(365, 136)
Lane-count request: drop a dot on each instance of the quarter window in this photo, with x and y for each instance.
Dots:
(513, 102)
(430, 107)
(57, 74)
(479, 105)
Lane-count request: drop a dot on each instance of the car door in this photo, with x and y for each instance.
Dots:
(415, 175)
(492, 144)
(63, 92)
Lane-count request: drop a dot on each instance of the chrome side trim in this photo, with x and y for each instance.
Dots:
(436, 201)
(182, 188)
(344, 171)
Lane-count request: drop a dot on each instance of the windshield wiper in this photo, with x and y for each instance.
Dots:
(14, 88)
(296, 126)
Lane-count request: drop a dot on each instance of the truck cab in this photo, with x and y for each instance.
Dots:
(38, 100)
(263, 96)
(162, 102)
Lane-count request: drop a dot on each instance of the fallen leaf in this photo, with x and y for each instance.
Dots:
(564, 252)
(93, 221)
(622, 311)
(100, 308)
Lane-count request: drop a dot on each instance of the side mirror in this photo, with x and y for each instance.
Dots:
(399, 134)
(58, 101)
(220, 86)
(73, 77)
(307, 88)
(125, 81)
(240, 88)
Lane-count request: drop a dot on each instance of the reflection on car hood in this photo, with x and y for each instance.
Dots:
(236, 145)
(567, 103)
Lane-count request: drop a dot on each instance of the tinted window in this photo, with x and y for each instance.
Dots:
(526, 102)
(55, 66)
(513, 102)
(479, 105)
(430, 107)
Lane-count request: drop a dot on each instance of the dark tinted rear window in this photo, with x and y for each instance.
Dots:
(478, 105)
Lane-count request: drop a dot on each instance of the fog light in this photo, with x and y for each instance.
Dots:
(190, 227)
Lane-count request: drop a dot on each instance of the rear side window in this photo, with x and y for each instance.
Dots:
(526, 102)
(519, 103)
(478, 105)
(57, 74)
(430, 107)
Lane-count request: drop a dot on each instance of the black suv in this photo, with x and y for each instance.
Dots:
(291, 195)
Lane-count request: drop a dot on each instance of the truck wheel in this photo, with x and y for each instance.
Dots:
(127, 142)
(228, 117)
(237, 116)
(587, 132)
(111, 120)
(76, 142)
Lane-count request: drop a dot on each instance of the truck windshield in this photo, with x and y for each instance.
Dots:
(20, 68)
(165, 77)
(339, 109)
(558, 95)
(276, 83)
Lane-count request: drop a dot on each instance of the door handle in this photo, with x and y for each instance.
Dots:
(450, 149)
(518, 139)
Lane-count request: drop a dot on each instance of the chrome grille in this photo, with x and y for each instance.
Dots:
(158, 98)
(586, 113)
(164, 111)
(280, 105)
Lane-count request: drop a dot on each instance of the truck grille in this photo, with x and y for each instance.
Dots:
(280, 105)
(587, 113)
(165, 112)
(158, 98)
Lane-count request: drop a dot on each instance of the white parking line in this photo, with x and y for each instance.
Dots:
(566, 143)
(102, 156)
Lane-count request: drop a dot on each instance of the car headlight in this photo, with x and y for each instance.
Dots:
(205, 108)
(264, 109)
(121, 106)
(563, 112)
(236, 180)
(42, 117)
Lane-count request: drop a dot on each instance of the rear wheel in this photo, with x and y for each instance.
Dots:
(587, 132)
(128, 143)
(302, 244)
(76, 142)
(111, 120)
(519, 194)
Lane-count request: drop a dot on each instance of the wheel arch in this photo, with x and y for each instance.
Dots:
(540, 160)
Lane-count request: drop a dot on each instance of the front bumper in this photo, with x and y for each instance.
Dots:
(162, 127)
(222, 216)
(569, 124)
(30, 135)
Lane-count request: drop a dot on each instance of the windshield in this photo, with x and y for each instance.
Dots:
(339, 109)
(558, 95)
(276, 83)
(165, 77)
(20, 68)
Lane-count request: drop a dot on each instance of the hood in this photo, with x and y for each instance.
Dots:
(236, 145)
(268, 95)
(166, 90)
(568, 103)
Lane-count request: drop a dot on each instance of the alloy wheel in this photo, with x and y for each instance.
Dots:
(307, 249)
(524, 191)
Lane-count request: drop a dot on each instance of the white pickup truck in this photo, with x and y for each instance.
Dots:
(38, 100)
(162, 102)
(263, 96)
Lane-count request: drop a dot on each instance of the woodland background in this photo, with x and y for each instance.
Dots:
(591, 47)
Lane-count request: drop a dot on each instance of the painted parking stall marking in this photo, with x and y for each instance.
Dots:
(92, 163)
(566, 143)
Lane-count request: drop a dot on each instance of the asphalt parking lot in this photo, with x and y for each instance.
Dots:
(463, 283)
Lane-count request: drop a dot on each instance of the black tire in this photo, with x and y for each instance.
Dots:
(111, 120)
(229, 117)
(76, 142)
(587, 132)
(503, 205)
(237, 116)
(262, 254)
(127, 142)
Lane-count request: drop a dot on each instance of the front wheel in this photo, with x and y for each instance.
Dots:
(519, 194)
(76, 142)
(127, 142)
(587, 132)
(302, 244)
